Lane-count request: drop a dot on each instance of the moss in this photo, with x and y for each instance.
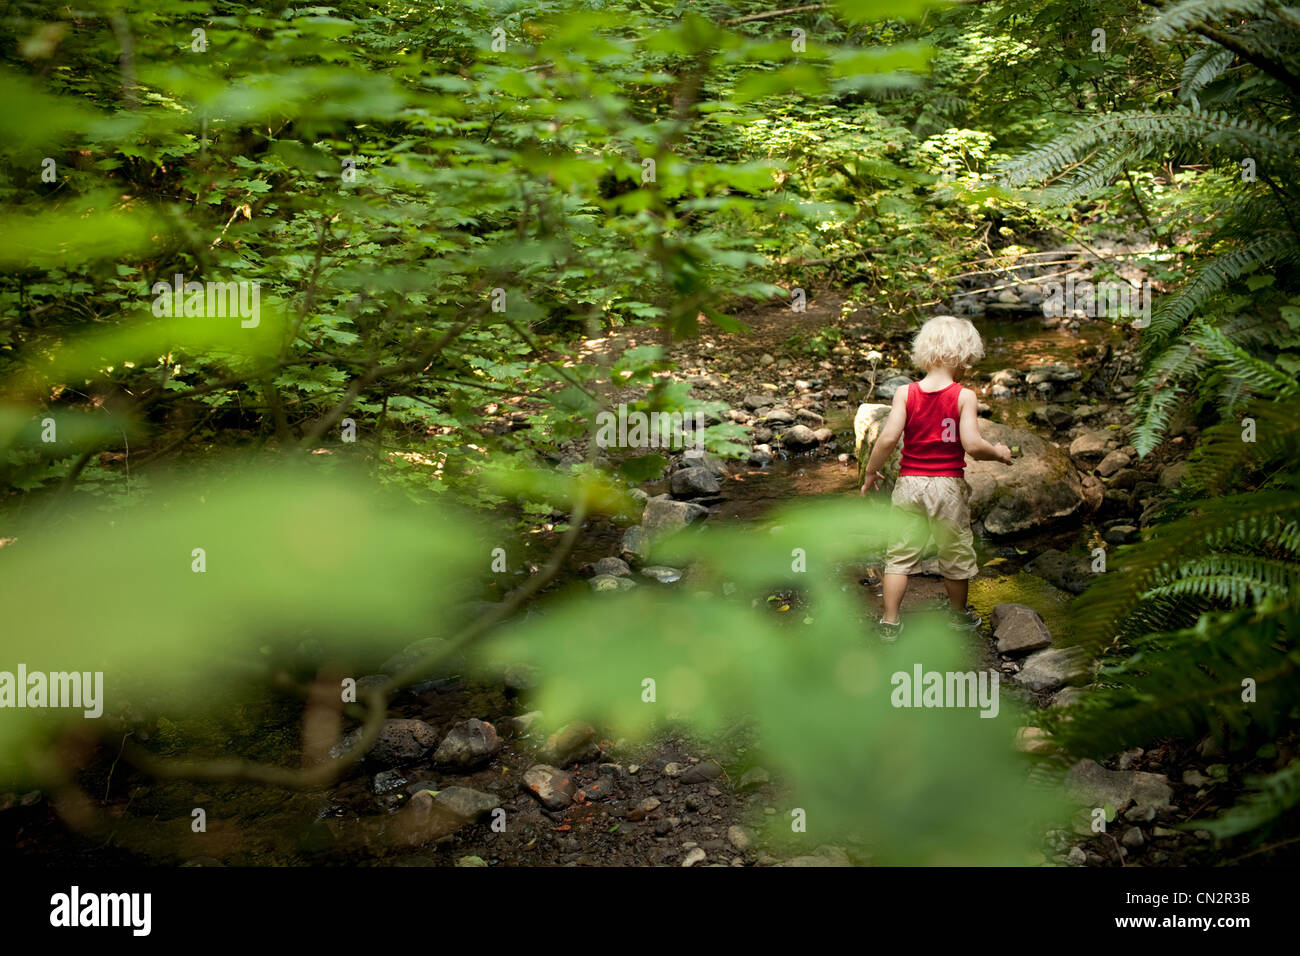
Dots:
(1051, 603)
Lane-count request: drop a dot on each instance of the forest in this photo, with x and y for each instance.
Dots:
(440, 433)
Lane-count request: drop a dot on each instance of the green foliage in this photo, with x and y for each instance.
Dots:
(1204, 610)
(865, 771)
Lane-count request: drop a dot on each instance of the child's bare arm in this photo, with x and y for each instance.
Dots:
(971, 439)
(887, 440)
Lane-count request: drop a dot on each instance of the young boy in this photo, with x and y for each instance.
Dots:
(938, 422)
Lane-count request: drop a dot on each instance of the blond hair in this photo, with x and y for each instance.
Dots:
(946, 341)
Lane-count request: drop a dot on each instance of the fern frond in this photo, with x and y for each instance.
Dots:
(1147, 129)
(1093, 175)
(1173, 310)
(1179, 683)
(1251, 520)
(1237, 589)
(1161, 391)
(1256, 374)
(1186, 16)
(1202, 67)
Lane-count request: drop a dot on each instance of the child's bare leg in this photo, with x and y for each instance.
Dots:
(893, 587)
(956, 593)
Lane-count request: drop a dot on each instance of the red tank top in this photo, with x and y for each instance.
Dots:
(931, 440)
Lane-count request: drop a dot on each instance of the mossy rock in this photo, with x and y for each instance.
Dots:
(1051, 603)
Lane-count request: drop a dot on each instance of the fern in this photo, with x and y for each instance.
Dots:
(1173, 311)
(1202, 67)
(1186, 16)
(1145, 129)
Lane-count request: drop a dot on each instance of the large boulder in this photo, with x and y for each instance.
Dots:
(1035, 490)
(867, 423)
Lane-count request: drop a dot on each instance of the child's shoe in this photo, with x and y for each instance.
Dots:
(888, 633)
(966, 619)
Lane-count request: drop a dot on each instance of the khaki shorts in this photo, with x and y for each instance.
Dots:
(938, 509)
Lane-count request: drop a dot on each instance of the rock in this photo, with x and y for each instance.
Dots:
(572, 743)
(1000, 391)
(469, 805)
(1049, 669)
(779, 416)
(799, 437)
(1019, 629)
(414, 653)
(1034, 740)
(761, 455)
(643, 809)
(693, 856)
(664, 516)
(824, 856)
(674, 769)
(806, 416)
(602, 789)
(387, 781)
(614, 566)
(553, 788)
(702, 772)
(1053, 416)
(889, 386)
(1089, 784)
(1194, 778)
(753, 778)
(1094, 492)
(1171, 476)
(756, 401)
(762, 435)
(1007, 377)
(524, 722)
(635, 546)
(403, 741)
(662, 573)
(1055, 372)
(1068, 572)
(520, 677)
(1077, 857)
(1037, 489)
(694, 483)
(468, 743)
(1066, 697)
(823, 435)
(1090, 447)
(740, 838)
(1119, 534)
(866, 426)
(471, 861)
(604, 582)
(766, 359)
(1112, 463)
(1143, 814)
